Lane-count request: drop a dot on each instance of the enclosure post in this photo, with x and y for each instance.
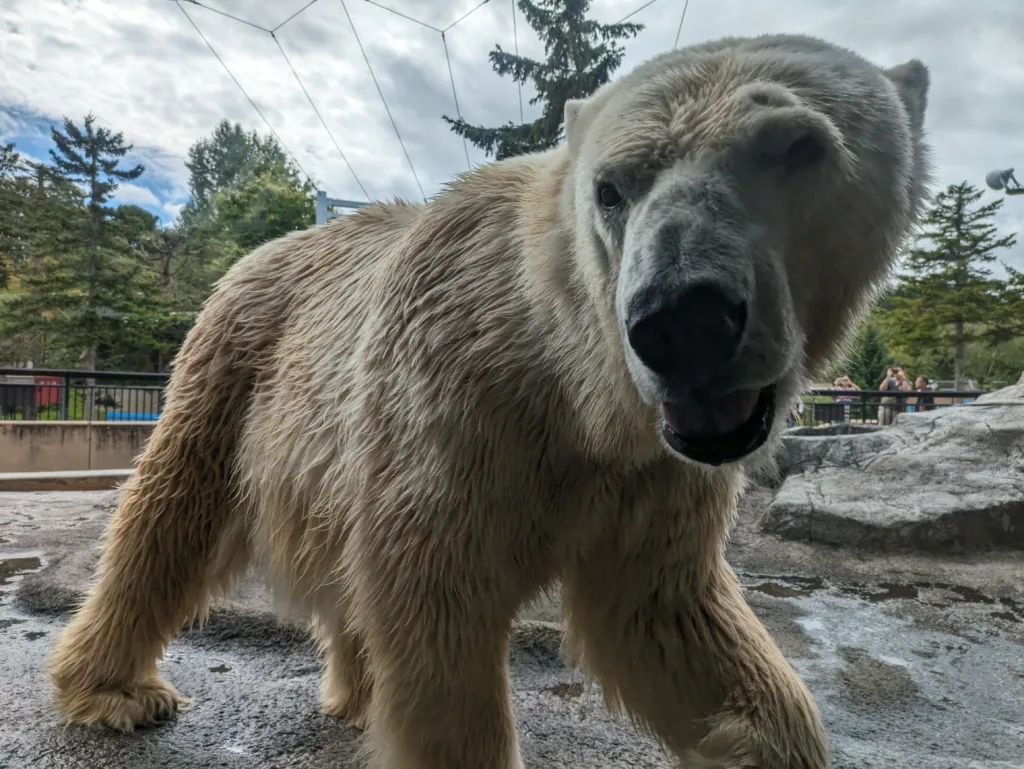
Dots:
(321, 207)
(65, 395)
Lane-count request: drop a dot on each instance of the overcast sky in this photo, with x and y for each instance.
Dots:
(142, 68)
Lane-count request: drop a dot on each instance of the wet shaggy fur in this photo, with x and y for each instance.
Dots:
(415, 418)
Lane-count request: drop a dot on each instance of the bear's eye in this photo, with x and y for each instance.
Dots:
(608, 196)
(802, 152)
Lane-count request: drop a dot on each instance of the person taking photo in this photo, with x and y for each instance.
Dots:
(890, 405)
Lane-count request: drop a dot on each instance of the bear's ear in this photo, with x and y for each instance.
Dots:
(573, 107)
(912, 80)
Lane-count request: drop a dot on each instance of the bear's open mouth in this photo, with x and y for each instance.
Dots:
(714, 429)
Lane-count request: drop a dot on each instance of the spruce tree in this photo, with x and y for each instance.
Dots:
(948, 297)
(88, 289)
(37, 210)
(11, 196)
(581, 57)
(92, 156)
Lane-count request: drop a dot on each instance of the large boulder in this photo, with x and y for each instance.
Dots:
(802, 448)
(949, 480)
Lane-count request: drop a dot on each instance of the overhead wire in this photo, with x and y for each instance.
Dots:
(244, 92)
(681, 19)
(404, 16)
(303, 8)
(383, 100)
(380, 92)
(648, 4)
(447, 55)
(634, 12)
(515, 36)
(458, 112)
(317, 111)
(467, 14)
(451, 76)
(298, 79)
(239, 19)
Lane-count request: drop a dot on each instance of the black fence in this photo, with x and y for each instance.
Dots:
(89, 396)
(120, 396)
(871, 407)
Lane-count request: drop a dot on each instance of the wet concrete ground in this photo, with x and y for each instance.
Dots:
(915, 662)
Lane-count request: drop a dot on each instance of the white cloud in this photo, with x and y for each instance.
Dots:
(169, 212)
(132, 194)
(143, 69)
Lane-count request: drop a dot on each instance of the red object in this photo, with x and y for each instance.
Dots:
(48, 396)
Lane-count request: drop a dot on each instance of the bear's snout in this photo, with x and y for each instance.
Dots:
(690, 337)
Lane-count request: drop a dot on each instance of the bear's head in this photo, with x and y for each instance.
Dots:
(740, 202)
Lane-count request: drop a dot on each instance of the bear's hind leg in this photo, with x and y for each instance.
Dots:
(346, 685)
(165, 552)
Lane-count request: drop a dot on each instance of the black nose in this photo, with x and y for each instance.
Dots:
(692, 337)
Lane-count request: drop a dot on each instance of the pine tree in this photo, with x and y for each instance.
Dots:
(92, 158)
(10, 199)
(89, 287)
(10, 160)
(37, 206)
(948, 297)
(581, 57)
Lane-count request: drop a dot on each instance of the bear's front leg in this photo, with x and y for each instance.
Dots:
(441, 695)
(665, 629)
(435, 622)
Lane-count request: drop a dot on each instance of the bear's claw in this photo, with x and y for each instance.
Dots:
(150, 703)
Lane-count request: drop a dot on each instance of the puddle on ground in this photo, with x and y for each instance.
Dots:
(886, 591)
(567, 691)
(799, 587)
(1007, 616)
(220, 669)
(790, 586)
(14, 566)
(810, 624)
(779, 590)
(34, 635)
(876, 682)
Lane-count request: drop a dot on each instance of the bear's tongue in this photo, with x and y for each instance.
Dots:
(709, 415)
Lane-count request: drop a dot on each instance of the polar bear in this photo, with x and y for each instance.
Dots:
(559, 371)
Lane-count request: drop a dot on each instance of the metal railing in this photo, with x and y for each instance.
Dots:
(122, 396)
(35, 394)
(872, 407)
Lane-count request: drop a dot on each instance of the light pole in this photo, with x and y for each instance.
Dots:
(1000, 179)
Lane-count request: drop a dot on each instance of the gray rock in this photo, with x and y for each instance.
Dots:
(841, 428)
(807, 448)
(949, 480)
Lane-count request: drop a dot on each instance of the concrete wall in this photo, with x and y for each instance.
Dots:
(32, 447)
